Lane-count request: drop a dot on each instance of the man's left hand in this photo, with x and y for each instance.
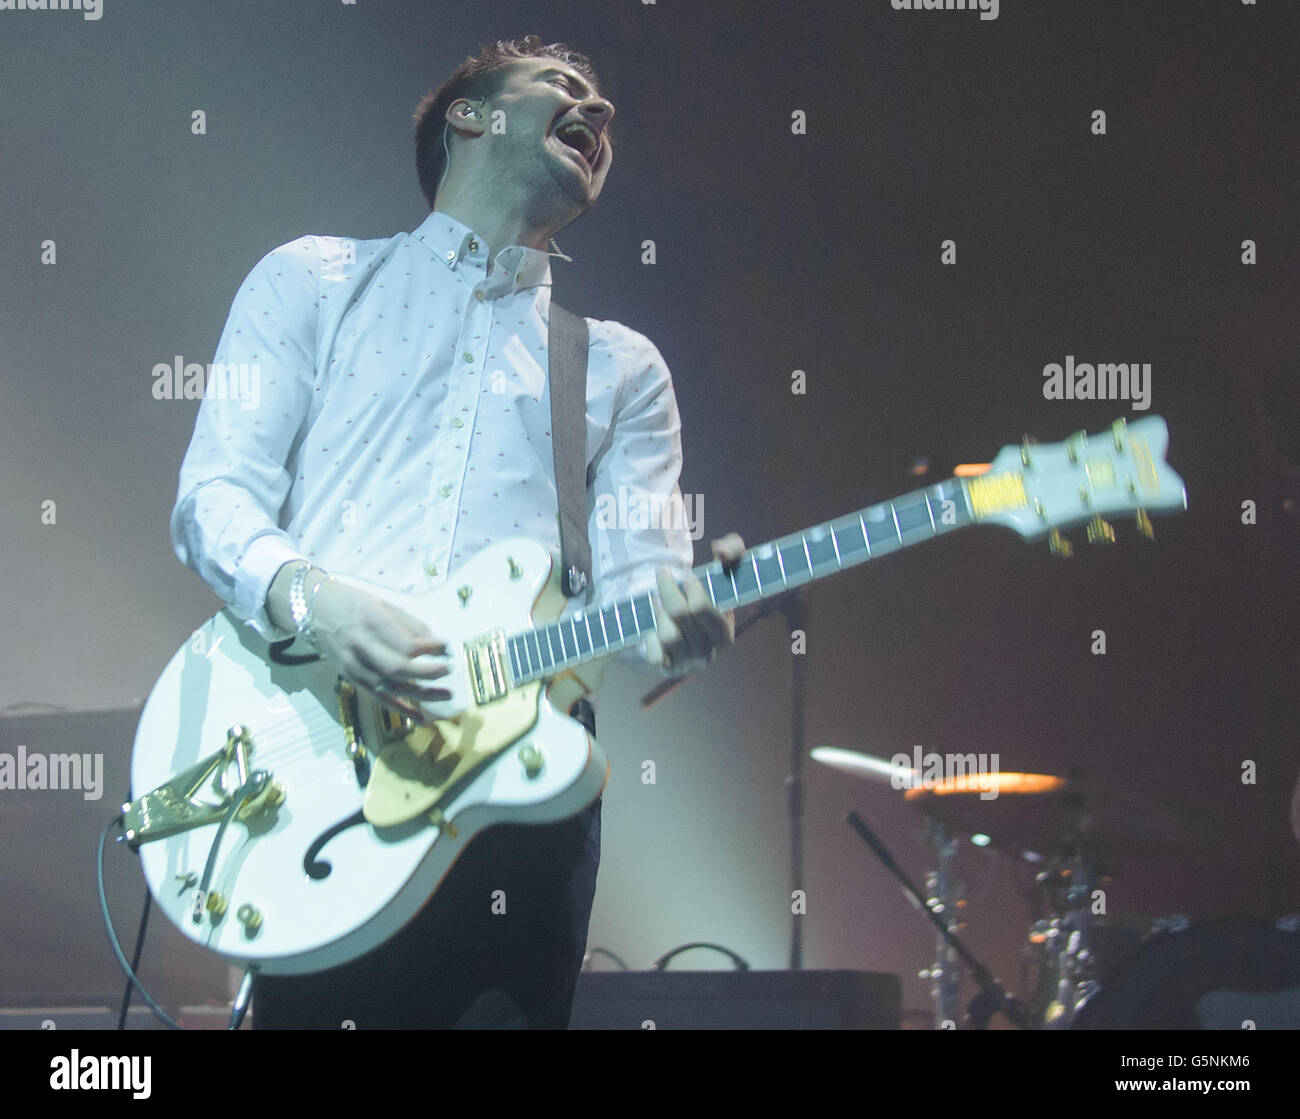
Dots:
(691, 629)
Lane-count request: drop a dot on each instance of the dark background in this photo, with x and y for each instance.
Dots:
(775, 252)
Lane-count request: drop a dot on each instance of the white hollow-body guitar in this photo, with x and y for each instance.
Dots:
(290, 822)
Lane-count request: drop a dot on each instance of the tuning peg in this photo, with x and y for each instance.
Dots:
(1027, 442)
(1100, 532)
(1059, 544)
(1144, 525)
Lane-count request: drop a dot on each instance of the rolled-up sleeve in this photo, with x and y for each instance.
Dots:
(234, 480)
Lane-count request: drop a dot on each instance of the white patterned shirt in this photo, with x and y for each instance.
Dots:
(382, 409)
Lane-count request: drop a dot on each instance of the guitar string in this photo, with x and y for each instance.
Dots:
(292, 739)
(289, 744)
(280, 738)
(288, 741)
(301, 737)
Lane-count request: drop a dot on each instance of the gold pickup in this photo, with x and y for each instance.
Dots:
(486, 660)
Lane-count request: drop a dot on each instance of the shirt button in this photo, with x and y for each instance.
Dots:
(469, 358)
(456, 421)
(450, 255)
(473, 246)
(445, 491)
(431, 569)
(479, 296)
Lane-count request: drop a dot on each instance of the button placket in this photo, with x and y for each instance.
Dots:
(450, 463)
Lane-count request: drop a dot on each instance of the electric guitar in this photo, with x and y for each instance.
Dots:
(290, 823)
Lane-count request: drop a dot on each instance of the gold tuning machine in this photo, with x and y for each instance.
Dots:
(1059, 544)
(1100, 532)
(1144, 525)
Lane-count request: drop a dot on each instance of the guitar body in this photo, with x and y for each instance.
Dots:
(334, 868)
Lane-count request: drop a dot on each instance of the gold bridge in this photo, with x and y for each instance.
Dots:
(418, 767)
(486, 660)
(177, 805)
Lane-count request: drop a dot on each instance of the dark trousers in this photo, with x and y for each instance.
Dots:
(459, 963)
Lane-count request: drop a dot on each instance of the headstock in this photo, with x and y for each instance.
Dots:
(1040, 489)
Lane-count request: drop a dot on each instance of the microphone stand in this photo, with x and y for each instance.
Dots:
(992, 997)
(796, 618)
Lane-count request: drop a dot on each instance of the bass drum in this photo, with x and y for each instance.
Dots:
(1227, 974)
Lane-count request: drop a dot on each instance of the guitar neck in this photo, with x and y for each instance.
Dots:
(762, 572)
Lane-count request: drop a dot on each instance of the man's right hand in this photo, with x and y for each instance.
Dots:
(372, 643)
(380, 648)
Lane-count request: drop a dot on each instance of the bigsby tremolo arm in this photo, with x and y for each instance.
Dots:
(180, 804)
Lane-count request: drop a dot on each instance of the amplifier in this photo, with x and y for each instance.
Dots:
(736, 1000)
(62, 777)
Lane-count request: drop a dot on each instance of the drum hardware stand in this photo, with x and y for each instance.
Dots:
(944, 897)
(1066, 943)
(1068, 940)
(992, 997)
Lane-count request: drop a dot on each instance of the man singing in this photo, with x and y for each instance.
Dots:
(404, 424)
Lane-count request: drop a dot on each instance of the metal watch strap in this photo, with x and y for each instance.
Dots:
(300, 611)
(308, 629)
(297, 597)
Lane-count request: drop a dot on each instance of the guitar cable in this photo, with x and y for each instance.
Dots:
(255, 783)
(132, 979)
(135, 958)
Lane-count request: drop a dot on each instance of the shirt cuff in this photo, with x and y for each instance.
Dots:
(257, 570)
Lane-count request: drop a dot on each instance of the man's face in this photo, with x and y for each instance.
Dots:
(556, 129)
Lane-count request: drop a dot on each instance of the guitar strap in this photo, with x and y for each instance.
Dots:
(567, 358)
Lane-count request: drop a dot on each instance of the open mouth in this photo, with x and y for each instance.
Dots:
(581, 139)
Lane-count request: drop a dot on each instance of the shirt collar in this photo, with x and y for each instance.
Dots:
(459, 248)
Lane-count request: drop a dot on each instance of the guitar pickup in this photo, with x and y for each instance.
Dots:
(486, 660)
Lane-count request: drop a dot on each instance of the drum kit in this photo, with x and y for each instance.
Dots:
(1092, 969)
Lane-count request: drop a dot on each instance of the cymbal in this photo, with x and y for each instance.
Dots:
(865, 766)
(990, 786)
(1044, 816)
(868, 767)
(1039, 814)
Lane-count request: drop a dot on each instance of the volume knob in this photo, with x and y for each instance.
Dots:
(250, 917)
(531, 756)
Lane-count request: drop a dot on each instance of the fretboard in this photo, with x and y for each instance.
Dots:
(766, 570)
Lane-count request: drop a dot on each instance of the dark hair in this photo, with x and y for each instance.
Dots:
(481, 75)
